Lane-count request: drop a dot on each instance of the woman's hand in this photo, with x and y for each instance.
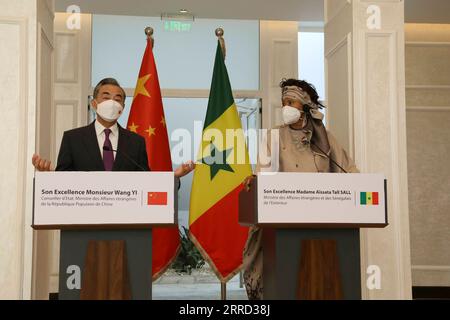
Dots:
(41, 164)
(248, 182)
(184, 169)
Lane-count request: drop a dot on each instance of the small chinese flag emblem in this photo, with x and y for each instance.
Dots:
(157, 199)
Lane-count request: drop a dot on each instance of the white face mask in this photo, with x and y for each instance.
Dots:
(291, 115)
(109, 110)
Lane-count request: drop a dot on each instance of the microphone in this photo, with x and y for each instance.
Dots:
(328, 157)
(106, 148)
(307, 108)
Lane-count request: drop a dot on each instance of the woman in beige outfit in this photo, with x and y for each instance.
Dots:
(303, 143)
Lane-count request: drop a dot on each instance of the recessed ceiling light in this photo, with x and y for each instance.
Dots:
(183, 11)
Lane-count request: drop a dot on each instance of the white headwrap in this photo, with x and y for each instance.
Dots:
(297, 93)
(319, 139)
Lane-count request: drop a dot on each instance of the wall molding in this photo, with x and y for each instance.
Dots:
(75, 44)
(431, 268)
(381, 1)
(429, 275)
(396, 108)
(43, 35)
(23, 204)
(42, 38)
(344, 41)
(421, 44)
(427, 87)
(391, 35)
(347, 42)
(426, 44)
(277, 70)
(74, 104)
(424, 104)
(428, 109)
(197, 93)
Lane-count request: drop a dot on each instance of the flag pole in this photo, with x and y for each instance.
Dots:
(219, 34)
(149, 33)
(223, 290)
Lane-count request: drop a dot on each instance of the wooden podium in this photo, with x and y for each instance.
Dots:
(106, 221)
(308, 252)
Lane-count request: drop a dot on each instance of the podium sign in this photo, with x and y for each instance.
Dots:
(103, 199)
(322, 199)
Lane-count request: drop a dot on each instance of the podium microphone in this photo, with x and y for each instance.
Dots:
(307, 109)
(328, 157)
(106, 148)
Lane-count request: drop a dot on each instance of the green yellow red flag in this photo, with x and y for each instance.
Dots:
(369, 198)
(222, 165)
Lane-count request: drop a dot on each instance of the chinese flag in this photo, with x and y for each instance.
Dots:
(157, 199)
(147, 119)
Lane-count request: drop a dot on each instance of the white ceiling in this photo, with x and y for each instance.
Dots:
(418, 11)
(288, 10)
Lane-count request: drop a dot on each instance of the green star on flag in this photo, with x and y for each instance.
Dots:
(222, 165)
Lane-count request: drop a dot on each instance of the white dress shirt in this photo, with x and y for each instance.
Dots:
(113, 136)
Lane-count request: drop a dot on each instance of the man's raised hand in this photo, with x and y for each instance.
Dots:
(41, 164)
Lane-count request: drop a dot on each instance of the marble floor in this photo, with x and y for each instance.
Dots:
(196, 287)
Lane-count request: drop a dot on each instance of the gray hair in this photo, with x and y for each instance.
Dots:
(108, 81)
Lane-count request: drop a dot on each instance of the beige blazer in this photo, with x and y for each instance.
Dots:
(296, 155)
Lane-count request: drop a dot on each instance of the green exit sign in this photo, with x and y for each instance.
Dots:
(177, 26)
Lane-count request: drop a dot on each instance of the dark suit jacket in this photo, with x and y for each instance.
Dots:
(80, 151)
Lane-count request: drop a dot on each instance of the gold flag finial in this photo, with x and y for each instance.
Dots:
(219, 34)
(149, 34)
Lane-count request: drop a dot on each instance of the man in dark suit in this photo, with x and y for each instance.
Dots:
(93, 147)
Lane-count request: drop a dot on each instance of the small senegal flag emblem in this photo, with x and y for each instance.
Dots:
(369, 199)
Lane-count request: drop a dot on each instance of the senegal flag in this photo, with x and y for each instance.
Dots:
(222, 166)
(369, 198)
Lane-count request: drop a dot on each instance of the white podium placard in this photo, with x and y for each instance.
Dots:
(103, 198)
(321, 198)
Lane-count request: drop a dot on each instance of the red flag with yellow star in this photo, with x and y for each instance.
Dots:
(147, 119)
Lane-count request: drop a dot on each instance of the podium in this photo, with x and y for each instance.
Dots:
(106, 221)
(310, 231)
